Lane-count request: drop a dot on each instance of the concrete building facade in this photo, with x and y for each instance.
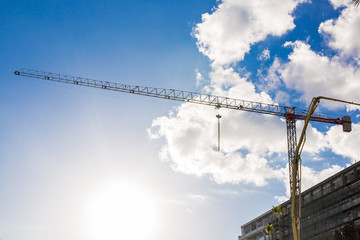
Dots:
(326, 207)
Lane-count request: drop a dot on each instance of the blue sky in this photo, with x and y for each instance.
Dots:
(80, 163)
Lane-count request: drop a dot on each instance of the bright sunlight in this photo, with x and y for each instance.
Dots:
(122, 211)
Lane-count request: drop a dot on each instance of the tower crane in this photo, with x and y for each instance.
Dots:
(291, 114)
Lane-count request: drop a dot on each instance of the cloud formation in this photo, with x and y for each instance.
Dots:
(340, 3)
(265, 55)
(191, 144)
(199, 78)
(345, 144)
(310, 177)
(312, 74)
(343, 33)
(226, 35)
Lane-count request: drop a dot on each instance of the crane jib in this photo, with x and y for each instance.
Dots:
(184, 96)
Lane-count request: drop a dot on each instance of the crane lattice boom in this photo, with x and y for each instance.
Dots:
(179, 95)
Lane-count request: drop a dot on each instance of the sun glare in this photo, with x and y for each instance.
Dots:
(122, 212)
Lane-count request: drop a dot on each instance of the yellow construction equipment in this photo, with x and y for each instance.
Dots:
(296, 167)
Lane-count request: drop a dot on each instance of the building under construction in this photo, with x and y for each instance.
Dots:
(326, 208)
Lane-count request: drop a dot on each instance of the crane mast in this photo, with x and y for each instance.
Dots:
(291, 114)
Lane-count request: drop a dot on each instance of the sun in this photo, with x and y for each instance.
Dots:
(122, 211)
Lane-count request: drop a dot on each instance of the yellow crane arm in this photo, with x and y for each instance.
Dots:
(296, 200)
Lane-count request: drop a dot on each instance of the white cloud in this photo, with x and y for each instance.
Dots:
(340, 3)
(226, 35)
(282, 97)
(202, 199)
(312, 74)
(309, 178)
(191, 144)
(228, 192)
(265, 55)
(343, 33)
(269, 81)
(199, 78)
(345, 144)
(226, 82)
(281, 199)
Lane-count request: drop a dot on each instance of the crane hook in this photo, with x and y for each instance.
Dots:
(218, 117)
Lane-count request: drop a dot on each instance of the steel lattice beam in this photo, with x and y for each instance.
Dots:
(179, 95)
